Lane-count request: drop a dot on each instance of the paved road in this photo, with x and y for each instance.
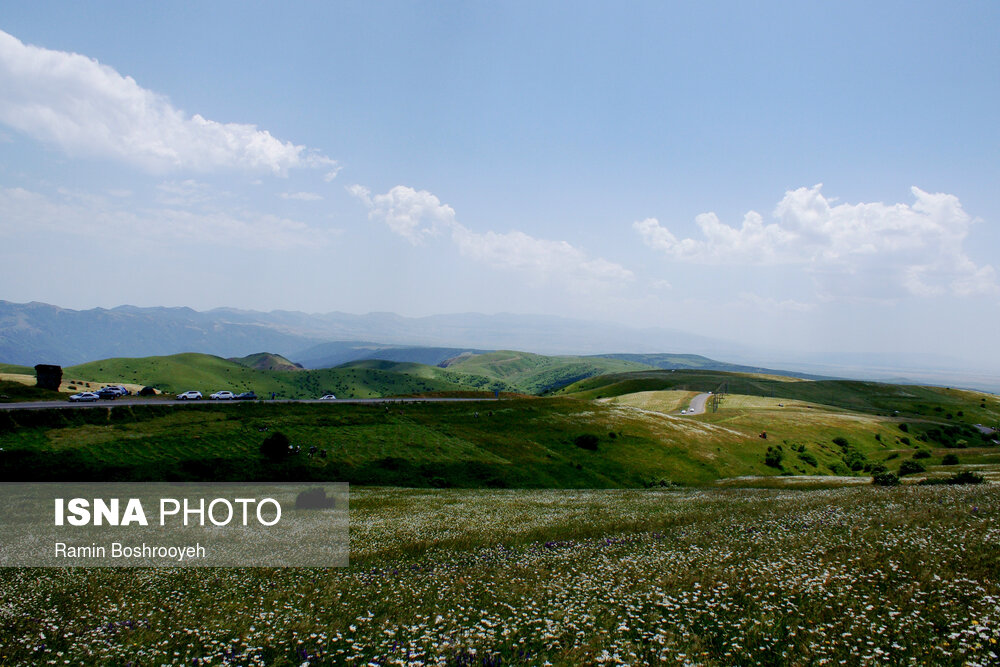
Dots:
(54, 405)
(697, 406)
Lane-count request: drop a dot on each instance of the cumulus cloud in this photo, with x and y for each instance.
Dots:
(852, 249)
(83, 107)
(25, 212)
(417, 215)
(413, 214)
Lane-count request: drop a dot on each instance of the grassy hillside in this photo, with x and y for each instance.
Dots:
(516, 443)
(477, 382)
(535, 373)
(698, 362)
(266, 361)
(869, 397)
(182, 372)
(539, 442)
(17, 370)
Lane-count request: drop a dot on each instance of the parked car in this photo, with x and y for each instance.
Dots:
(246, 396)
(109, 393)
(189, 396)
(84, 397)
(328, 397)
(223, 395)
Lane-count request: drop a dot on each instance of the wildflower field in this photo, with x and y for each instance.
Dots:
(859, 575)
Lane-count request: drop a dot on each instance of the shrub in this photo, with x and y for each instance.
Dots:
(949, 460)
(878, 468)
(894, 455)
(854, 459)
(275, 446)
(922, 454)
(587, 441)
(841, 442)
(885, 479)
(909, 467)
(905, 441)
(904, 428)
(147, 391)
(839, 468)
(809, 458)
(773, 457)
(966, 477)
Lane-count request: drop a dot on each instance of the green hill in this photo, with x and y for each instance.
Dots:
(698, 362)
(869, 397)
(529, 442)
(266, 361)
(17, 370)
(206, 373)
(535, 373)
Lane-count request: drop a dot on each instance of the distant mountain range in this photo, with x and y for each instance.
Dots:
(32, 333)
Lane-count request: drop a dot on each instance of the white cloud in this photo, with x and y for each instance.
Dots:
(852, 249)
(25, 212)
(301, 196)
(414, 215)
(417, 215)
(84, 107)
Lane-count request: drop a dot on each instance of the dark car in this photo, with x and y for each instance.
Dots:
(109, 393)
(246, 396)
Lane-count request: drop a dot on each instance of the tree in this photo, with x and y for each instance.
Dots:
(275, 446)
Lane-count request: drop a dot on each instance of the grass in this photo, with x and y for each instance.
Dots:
(518, 443)
(485, 577)
(208, 374)
(667, 402)
(538, 374)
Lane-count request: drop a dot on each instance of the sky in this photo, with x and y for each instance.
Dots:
(810, 179)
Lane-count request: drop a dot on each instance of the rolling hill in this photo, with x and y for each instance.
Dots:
(266, 361)
(535, 373)
(182, 372)
(698, 362)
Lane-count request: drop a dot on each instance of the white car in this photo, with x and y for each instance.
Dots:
(328, 397)
(189, 396)
(84, 397)
(223, 396)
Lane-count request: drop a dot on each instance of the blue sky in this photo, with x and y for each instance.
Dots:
(648, 163)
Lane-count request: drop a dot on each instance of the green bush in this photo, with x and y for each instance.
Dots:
(587, 441)
(275, 446)
(909, 467)
(966, 477)
(841, 442)
(773, 457)
(809, 458)
(949, 460)
(922, 454)
(854, 459)
(885, 479)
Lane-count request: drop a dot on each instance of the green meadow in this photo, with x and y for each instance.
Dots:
(557, 577)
